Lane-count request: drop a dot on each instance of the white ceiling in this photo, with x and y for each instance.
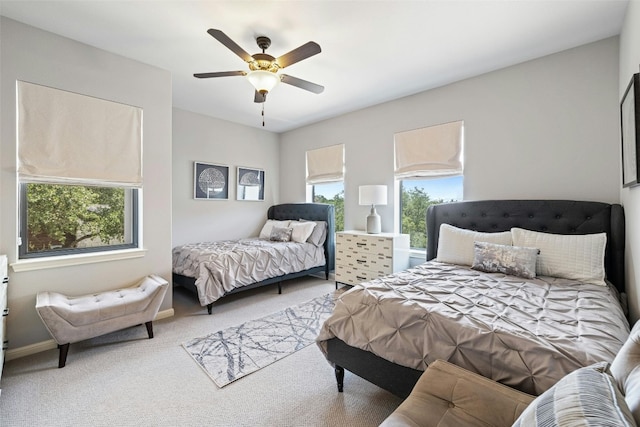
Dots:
(372, 51)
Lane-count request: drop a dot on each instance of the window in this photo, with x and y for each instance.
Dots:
(58, 219)
(428, 166)
(416, 196)
(325, 175)
(79, 172)
(333, 194)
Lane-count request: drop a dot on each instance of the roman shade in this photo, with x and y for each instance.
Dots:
(431, 151)
(67, 138)
(325, 164)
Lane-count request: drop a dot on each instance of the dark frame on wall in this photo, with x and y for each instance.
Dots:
(629, 123)
(250, 185)
(210, 182)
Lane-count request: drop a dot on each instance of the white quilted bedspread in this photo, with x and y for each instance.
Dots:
(523, 333)
(222, 266)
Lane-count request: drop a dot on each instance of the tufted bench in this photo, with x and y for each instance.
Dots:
(73, 319)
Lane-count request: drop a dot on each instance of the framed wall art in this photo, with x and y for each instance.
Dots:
(210, 182)
(629, 123)
(250, 184)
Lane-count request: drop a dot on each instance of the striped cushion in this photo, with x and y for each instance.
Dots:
(586, 397)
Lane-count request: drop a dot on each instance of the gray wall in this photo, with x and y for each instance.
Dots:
(40, 57)
(630, 197)
(209, 140)
(547, 128)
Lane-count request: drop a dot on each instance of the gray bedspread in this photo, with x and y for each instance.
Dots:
(523, 333)
(220, 267)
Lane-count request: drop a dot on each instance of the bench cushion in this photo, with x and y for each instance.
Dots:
(87, 309)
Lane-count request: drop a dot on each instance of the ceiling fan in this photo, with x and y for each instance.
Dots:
(263, 68)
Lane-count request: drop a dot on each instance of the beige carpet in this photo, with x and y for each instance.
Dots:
(125, 379)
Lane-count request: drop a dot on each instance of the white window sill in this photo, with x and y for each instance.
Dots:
(77, 259)
(418, 253)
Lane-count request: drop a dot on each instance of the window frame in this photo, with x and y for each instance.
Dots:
(312, 194)
(53, 253)
(401, 205)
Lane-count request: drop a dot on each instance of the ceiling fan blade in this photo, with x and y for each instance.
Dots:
(230, 44)
(259, 97)
(220, 74)
(298, 54)
(302, 84)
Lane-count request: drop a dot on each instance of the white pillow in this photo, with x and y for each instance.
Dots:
(456, 245)
(301, 230)
(265, 233)
(572, 256)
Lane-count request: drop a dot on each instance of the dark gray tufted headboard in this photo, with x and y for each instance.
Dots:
(549, 216)
(313, 212)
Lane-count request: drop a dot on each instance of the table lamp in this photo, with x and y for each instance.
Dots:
(373, 195)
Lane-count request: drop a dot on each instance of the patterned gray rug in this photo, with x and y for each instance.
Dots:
(235, 352)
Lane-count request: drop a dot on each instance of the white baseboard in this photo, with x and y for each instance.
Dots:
(38, 347)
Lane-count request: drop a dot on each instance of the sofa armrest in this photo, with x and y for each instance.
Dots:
(447, 395)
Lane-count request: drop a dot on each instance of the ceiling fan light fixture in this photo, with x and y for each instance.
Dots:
(263, 81)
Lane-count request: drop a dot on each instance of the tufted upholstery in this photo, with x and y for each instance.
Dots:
(73, 319)
(549, 216)
(447, 395)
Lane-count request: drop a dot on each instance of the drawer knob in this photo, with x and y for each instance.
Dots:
(361, 244)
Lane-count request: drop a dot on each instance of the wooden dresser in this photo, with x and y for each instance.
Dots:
(361, 257)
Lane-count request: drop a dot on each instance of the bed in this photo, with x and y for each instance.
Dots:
(217, 269)
(523, 332)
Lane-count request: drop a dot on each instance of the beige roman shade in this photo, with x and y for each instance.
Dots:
(325, 164)
(64, 137)
(431, 151)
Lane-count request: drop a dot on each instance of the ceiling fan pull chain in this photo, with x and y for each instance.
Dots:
(263, 114)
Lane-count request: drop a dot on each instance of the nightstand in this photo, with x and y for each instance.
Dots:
(361, 257)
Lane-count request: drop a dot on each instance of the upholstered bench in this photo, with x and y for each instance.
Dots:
(72, 319)
(598, 395)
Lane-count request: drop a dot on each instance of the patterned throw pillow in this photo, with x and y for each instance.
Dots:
(586, 397)
(511, 260)
(281, 234)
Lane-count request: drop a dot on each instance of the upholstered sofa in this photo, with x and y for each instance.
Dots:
(599, 395)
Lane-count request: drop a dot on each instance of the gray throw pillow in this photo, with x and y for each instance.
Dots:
(511, 260)
(319, 233)
(279, 234)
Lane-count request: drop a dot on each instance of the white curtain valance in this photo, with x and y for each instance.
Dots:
(325, 164)
(430, 151)
(64, 137)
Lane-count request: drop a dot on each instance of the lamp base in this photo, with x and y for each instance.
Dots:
(373, 222)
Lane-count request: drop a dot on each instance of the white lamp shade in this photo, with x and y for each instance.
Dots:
(263, 80)
(373, 194)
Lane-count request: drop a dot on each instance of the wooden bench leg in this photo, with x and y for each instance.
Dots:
(62, 359)
(149, 326)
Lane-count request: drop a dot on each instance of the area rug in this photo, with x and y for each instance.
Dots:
(233, 353)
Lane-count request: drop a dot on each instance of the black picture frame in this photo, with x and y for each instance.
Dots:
(630, 135)
(250, 185)
(210, 181)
